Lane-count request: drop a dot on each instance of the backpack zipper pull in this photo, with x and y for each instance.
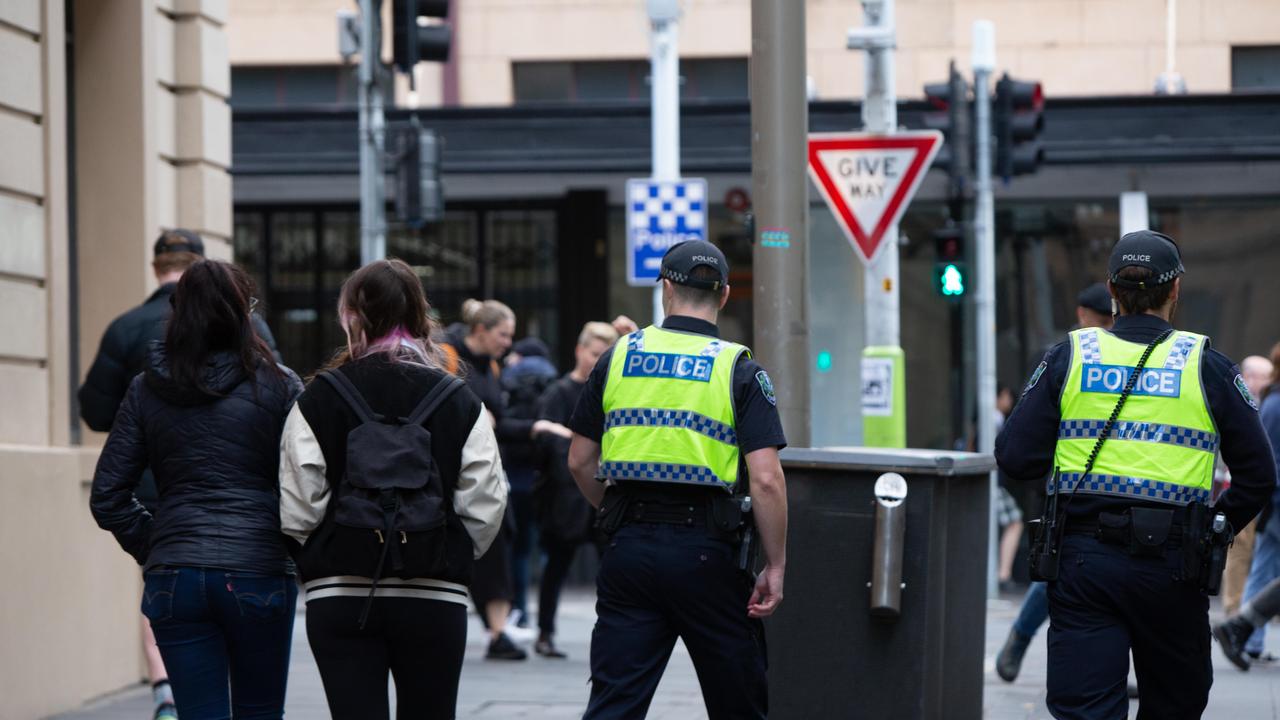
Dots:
(381, 541)
(404, 539)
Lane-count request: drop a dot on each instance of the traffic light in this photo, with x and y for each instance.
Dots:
(950, 114)
(950, 274)
(411, 42)
(419, 193)
(1018, 120)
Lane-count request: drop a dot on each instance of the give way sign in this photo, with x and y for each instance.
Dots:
(868, 180)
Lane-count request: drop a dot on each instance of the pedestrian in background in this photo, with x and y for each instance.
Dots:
(1093, 310)
(1256, 371)
(366, 618)
(526, 374)
(565, 519)
(680, 425)
(1133, 505)
(121, 355)
(206, 416)
(1265, 564)
(473, 349)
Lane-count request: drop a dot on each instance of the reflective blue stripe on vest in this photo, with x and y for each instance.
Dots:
(1131, 487)
(1181, 350)
(1141, 431)
(635, 341)
(659, 472)
(1090, 351)
(687, 419)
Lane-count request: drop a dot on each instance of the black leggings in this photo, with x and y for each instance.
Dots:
(420, 642)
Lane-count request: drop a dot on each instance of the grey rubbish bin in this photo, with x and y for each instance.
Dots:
(829, 657)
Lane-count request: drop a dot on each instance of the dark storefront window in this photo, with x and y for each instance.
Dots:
(1255, 68)
(299, 258)
(292, 86)
(625, 80)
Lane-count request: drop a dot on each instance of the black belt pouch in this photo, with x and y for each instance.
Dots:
(1150, 529)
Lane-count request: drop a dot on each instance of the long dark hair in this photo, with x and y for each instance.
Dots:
(383, 309)
(211, 313)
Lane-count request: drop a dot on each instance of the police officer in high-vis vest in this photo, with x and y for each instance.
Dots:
(676, 440)
(1136, 545)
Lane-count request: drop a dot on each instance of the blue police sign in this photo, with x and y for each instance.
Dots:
(661, 214)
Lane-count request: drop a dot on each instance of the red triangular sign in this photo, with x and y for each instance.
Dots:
(868, 180)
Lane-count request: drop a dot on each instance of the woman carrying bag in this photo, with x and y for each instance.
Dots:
(206, 417)
(391, 485)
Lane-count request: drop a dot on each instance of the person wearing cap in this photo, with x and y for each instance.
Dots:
(122, 354)
(673, 429)
(1119, 585)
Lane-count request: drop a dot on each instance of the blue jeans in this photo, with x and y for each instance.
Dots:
(222, 630)
(1034, 611)
(1264, 568)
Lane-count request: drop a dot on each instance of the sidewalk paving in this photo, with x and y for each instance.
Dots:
(541, 689)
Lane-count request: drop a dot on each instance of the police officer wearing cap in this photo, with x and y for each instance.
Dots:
(675, 430)
(1131, 565)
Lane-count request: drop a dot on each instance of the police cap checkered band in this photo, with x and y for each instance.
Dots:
(179, 240)
(1148, 249)
(679, 262)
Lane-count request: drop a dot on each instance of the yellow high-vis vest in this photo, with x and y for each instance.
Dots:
(668, 406)
(1163, 445)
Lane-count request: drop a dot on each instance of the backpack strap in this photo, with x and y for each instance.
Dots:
(447, 386)
(351, 395)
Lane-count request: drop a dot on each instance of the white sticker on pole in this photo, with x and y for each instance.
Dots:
(868, 180)
(661, 214)
(877, 386)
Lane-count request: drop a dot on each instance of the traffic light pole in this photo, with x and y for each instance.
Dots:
(984, 60)
(373, 204)
(779, 191)
(664, 89)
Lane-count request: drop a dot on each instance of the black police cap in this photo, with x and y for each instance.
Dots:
(179, 240)
(679, 262)
(1148, 249)
(1096, 298)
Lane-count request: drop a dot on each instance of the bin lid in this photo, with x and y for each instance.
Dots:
(904, 460)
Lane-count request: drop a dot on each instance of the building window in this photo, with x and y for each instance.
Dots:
(276, 87)
(625, 80)
(1255, 68)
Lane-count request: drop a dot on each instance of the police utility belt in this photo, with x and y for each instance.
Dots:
(724, 517)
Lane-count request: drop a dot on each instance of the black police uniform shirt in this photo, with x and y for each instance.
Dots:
(754, 405)
(1025, 448)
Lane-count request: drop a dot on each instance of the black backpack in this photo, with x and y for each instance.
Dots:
(390, 508)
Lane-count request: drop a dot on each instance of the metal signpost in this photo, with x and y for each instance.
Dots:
(868, 179)
(373, 199)
(984, 61)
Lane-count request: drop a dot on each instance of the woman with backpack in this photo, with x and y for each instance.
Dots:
(206, 417)
(473, 350)
(391, 484)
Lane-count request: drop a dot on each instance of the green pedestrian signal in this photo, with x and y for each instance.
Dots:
(824, 361)
(952, 281)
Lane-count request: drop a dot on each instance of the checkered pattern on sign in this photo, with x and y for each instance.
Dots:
(1178, 355)
(1122, 486)
(688, 420)
(668, 207)
(1142, 432)
(1090, 352)
(660, 472)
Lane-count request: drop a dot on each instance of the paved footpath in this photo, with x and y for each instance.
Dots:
(541, 689)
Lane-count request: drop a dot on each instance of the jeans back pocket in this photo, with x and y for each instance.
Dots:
(260, 597)
(157, 594)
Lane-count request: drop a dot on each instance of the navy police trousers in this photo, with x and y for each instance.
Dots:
(1106, 602)
(660, 582)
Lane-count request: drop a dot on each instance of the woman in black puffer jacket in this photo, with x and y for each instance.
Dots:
(206, 417)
